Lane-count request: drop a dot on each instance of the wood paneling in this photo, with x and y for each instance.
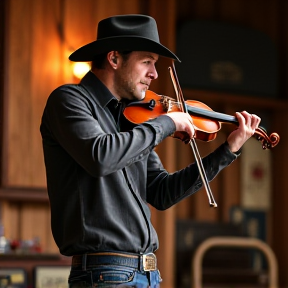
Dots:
(35, 224)
(2, 61)
(33, 56)
(38, 62)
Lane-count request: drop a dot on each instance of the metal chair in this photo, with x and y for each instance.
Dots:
(240, 242)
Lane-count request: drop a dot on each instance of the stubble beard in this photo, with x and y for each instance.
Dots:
(130, 92)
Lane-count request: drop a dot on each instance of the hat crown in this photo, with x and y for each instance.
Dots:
(128, 25)
(132, 32)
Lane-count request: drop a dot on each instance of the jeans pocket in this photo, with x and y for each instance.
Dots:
(101, 276)
(112, 275)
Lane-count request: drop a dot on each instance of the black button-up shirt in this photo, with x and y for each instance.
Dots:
(100, 180)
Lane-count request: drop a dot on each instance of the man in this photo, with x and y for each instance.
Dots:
(101, 174)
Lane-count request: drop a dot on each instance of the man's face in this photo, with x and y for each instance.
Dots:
(134, 75)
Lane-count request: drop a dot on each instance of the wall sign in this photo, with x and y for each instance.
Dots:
(255, 176)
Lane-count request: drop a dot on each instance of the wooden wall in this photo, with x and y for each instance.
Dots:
(38, 39)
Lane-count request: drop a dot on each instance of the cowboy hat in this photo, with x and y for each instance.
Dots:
(124, 33)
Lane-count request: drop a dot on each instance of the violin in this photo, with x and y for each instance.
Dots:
(207, 122)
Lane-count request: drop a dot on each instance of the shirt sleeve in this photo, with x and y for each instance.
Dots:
(80, 128)
(166, 189)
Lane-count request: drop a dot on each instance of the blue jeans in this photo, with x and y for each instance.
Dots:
(111, 276)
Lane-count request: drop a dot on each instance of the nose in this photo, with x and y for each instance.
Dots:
(152, 74)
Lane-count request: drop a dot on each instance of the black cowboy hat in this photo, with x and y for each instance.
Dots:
(124, 33)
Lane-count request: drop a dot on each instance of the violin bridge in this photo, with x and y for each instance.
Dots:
(166, 104)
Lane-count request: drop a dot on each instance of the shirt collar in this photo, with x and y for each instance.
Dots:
(98, 89)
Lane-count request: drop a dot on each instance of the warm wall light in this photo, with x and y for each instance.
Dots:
(80, 69)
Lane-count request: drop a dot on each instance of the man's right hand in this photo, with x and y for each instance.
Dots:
(184, 126)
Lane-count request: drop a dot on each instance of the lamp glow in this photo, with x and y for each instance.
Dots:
(80, 69)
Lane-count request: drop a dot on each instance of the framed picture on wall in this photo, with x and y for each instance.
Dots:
(51, 276)
(13, 277)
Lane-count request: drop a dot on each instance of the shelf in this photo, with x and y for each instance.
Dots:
(29, 262)
(31, 257)
(23, 194)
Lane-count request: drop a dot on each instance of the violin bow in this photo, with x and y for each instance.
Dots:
(192, 142)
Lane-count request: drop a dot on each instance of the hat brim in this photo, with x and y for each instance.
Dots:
(88, 52)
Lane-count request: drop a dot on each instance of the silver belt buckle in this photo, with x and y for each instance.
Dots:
(149, 262)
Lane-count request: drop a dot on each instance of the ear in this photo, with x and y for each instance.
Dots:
(112, 58)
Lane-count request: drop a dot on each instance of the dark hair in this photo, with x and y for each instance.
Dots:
(98, 61)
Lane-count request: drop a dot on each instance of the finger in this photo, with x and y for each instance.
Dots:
(248, 118)
(255, 121)
(241, 119)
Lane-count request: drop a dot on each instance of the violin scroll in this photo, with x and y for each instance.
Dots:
(268, 142)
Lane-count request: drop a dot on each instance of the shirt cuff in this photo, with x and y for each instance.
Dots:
(237, 153)
(163, 126)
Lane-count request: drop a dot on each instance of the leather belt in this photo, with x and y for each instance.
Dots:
(144, 262)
